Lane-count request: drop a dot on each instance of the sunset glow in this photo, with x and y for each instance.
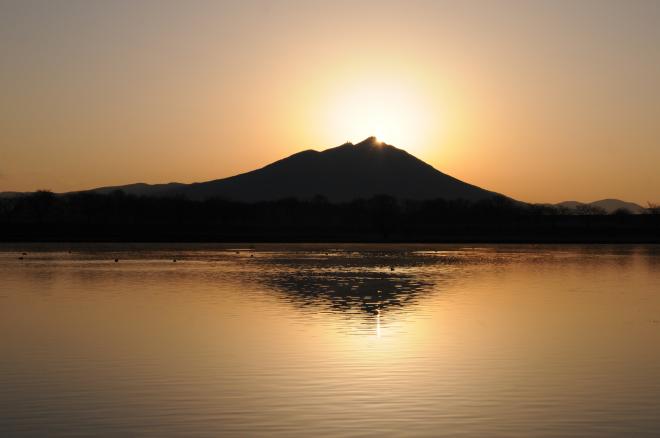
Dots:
(503, 95)
(390, 111)
(285, 218)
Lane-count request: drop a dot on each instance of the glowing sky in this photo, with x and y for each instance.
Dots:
(542, 101)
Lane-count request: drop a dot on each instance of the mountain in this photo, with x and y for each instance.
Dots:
(342, 173)
(12, 194)
(609, 205)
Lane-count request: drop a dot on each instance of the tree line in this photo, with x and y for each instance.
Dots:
(44, 215)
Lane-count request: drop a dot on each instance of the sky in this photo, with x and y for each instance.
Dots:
(541, 101)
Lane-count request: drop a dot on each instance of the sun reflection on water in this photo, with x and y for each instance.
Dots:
(378, 323)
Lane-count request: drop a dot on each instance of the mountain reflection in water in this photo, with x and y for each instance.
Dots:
(369, 287)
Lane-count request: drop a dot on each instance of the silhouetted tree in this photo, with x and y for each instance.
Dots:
(384, 213)
(589, 210)
(42, 202)
(6, 209)
(564, 211)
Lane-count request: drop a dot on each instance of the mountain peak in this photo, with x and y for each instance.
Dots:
(370, 142)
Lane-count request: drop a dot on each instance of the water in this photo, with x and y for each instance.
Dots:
(330, 340)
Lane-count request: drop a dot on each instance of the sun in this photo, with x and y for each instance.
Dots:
(392, 112)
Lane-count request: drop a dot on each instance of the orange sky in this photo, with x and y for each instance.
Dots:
(542, 101)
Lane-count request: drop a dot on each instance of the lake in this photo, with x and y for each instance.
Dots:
(329, 340)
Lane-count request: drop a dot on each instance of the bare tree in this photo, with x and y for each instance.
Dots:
(653, 208)
(621, 212)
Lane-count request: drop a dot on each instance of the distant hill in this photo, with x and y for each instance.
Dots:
(609, 205)
(142, 189)
(342, 173)
(12, 194)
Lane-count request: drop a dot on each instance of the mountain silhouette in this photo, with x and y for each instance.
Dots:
(342, 173)
(608, 205)
(143, 189)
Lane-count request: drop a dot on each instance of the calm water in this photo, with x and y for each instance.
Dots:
(339, 340)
